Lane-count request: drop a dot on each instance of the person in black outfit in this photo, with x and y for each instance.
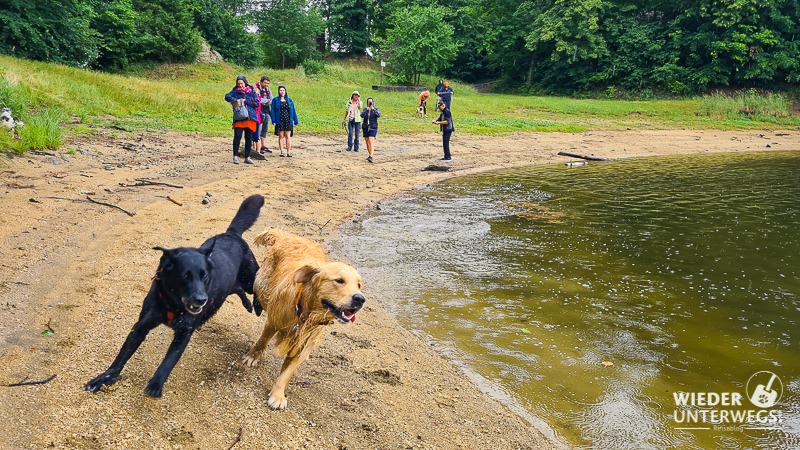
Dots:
(369, 118)
(445, 121)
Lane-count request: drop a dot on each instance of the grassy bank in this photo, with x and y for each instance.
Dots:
(190, 98)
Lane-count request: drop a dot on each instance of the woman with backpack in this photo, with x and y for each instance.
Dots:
(245, 120)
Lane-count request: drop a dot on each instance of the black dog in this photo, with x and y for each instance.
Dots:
(190, 286)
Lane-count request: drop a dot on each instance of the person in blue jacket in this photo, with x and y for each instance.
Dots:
(283, 116)
(244, 92)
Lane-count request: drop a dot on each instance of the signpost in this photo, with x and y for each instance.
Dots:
(383, 64)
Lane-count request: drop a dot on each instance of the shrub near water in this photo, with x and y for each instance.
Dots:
(746, 104)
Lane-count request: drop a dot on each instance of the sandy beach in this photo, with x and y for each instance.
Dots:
(78, 272)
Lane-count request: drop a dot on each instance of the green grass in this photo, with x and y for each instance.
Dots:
(190, 98)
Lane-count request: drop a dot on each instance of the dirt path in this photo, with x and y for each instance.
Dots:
(82, 269)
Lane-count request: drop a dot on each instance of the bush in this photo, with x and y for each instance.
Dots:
(42, 130)
(314, 67)
(749, 103)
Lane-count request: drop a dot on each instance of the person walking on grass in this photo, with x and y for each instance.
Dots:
(447, 94)
(438, 90)
(242, 93)
(352, 117)
(445, 122)
(283, 116)
(266, 99)
(370, 126)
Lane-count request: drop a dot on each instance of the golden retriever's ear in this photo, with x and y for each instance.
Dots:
(304, 274)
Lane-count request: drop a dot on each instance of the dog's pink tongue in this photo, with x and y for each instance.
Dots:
(349, 316)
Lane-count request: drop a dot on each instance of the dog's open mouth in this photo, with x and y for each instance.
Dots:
(342, 315)
(193, 309)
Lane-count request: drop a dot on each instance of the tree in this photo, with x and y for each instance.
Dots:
(288, 31)
(420, 42)
(169, 31)
(121, 40)
(224, 25)
(56, 31)
(349, 26)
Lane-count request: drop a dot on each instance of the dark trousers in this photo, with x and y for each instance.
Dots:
(425, 107)
(446, 143)
(248, 141)
(353, 128)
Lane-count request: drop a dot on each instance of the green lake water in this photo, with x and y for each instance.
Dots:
(585, 298)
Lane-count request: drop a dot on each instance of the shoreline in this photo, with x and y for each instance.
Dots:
(83, 269)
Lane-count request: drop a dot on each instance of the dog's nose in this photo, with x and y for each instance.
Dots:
(357, 301)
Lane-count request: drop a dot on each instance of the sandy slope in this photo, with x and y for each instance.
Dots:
(84, 268)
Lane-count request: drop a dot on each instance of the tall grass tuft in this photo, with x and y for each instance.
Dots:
(746, 104)
(43, 130)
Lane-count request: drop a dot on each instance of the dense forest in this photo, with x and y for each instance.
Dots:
(556, 46)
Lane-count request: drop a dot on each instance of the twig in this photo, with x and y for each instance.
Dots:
(111, 206)
(49, 327)
(174, 201)
(146, 181)
(238, 438)
(29, 383)
(590, 158)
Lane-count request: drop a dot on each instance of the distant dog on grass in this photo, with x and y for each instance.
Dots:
(8, 120)
(303, 294)
(189, 287)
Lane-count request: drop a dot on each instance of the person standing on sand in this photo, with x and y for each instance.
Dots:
(445, 122)
(353, 119)
(243, 93)
(266, 99)
(423, 101)
(283, 115)
(370, 116)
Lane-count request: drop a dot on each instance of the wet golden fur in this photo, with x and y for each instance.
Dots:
(294, 271)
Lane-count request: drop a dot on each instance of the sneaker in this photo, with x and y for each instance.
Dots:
(349, 149)
(248, 161)
(369, 159)
(355, 149)
(236, 160)
(446, 159)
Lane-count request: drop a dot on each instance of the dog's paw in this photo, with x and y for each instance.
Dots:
(257, 306)
(250, 360)
(277, 402)
(154, 389)
(104, 379)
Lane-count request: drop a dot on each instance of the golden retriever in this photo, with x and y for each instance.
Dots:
(302, 294)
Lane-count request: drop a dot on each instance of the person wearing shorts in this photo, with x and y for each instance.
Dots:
(370, 126)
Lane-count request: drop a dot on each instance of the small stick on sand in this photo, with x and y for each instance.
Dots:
(111, 206)
(28, 383)
(238, 438)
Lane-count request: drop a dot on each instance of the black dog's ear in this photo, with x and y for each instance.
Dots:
(165, 258)
(210, 249)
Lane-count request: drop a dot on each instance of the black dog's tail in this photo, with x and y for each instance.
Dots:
(247, 215)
